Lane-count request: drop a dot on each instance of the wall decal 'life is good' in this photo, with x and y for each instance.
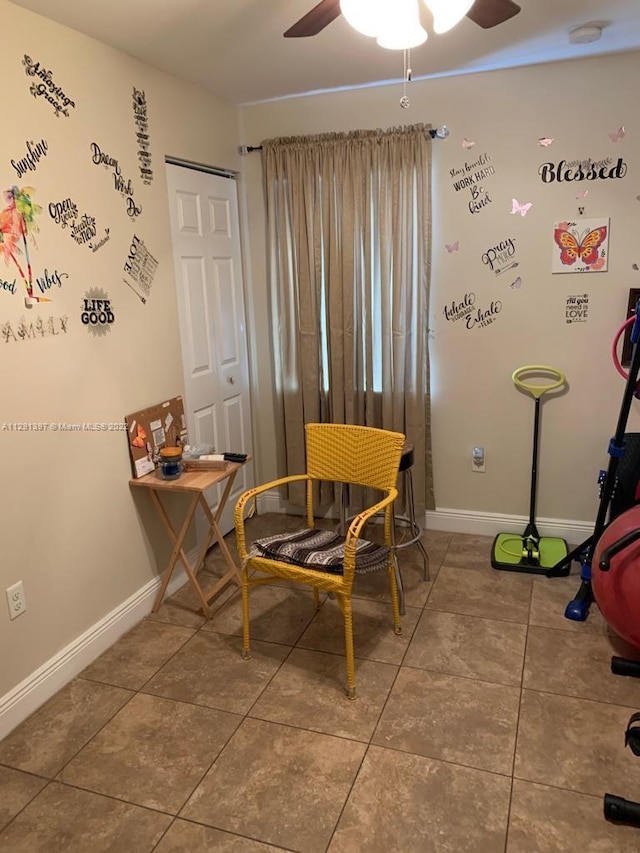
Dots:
(471, 176)
(121, 185)
(46, 87)
(96, 312)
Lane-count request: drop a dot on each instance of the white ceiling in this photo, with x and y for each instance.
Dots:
(235, 48)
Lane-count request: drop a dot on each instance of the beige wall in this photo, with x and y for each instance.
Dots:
(474, 401)
(70, 528)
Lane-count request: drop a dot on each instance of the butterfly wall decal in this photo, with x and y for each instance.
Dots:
(522, 209)
(545, 141)
(452, 247)
(617, 135)
(467, 143)
(584, 248)
(139, 440)
(582, 194)
(515, 285)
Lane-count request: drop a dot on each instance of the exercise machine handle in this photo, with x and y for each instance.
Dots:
(534, 388)
(619, 810)
(619, 545)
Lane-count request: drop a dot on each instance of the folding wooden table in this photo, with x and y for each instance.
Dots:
(195, 484)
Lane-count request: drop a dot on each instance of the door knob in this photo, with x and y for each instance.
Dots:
(230, 380)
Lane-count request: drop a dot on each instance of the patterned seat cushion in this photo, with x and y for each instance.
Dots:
(322, 550)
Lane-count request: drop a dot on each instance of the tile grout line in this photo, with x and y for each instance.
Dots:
(379, 717)
(515, 741)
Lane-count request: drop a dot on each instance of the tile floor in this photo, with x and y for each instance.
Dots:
(492, 724)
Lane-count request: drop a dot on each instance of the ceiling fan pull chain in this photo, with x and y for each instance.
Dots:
(405, 103)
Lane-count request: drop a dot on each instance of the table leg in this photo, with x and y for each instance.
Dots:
(215, 533)
(178, 552)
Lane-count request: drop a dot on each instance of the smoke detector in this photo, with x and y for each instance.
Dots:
(585, 34)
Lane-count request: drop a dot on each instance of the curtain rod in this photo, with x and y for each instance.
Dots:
(435, 133)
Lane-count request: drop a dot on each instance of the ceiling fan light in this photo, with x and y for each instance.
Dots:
(366, 16)
(403, 40)
(402, 30)
(447, 13)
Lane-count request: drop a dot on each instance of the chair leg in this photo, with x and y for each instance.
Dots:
(246, 648)
(397, 627)
(348, 643)
(399, 586)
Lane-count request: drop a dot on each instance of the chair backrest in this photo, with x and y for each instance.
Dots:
(353, 454)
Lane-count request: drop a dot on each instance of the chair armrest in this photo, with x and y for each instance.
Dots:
(245, 497)
(356, 526)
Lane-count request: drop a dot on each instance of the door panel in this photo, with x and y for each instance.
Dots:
(206, 247)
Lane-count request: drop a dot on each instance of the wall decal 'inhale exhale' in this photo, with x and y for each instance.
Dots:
(47, 88)
(474, 317)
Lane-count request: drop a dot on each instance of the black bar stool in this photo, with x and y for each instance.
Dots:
(407, 521)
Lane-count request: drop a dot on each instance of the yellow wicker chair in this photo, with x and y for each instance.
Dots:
(340, 453)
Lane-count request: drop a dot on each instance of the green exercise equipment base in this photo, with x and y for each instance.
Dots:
(506, 554)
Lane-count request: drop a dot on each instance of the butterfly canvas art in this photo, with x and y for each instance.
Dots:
(581, 246)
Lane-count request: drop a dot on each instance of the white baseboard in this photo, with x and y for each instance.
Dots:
(469, 521)
(30, 694)
(490, 524)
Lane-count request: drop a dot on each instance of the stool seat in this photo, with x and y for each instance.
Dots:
(406, 460)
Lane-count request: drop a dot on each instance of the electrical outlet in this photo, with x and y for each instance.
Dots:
(478, 460)
(16, 600)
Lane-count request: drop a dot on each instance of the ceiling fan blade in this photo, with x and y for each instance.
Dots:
(490, 13)
(316, 20)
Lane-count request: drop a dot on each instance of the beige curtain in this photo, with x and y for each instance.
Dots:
(349, 235)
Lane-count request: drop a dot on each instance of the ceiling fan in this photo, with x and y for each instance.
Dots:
(485, 13)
